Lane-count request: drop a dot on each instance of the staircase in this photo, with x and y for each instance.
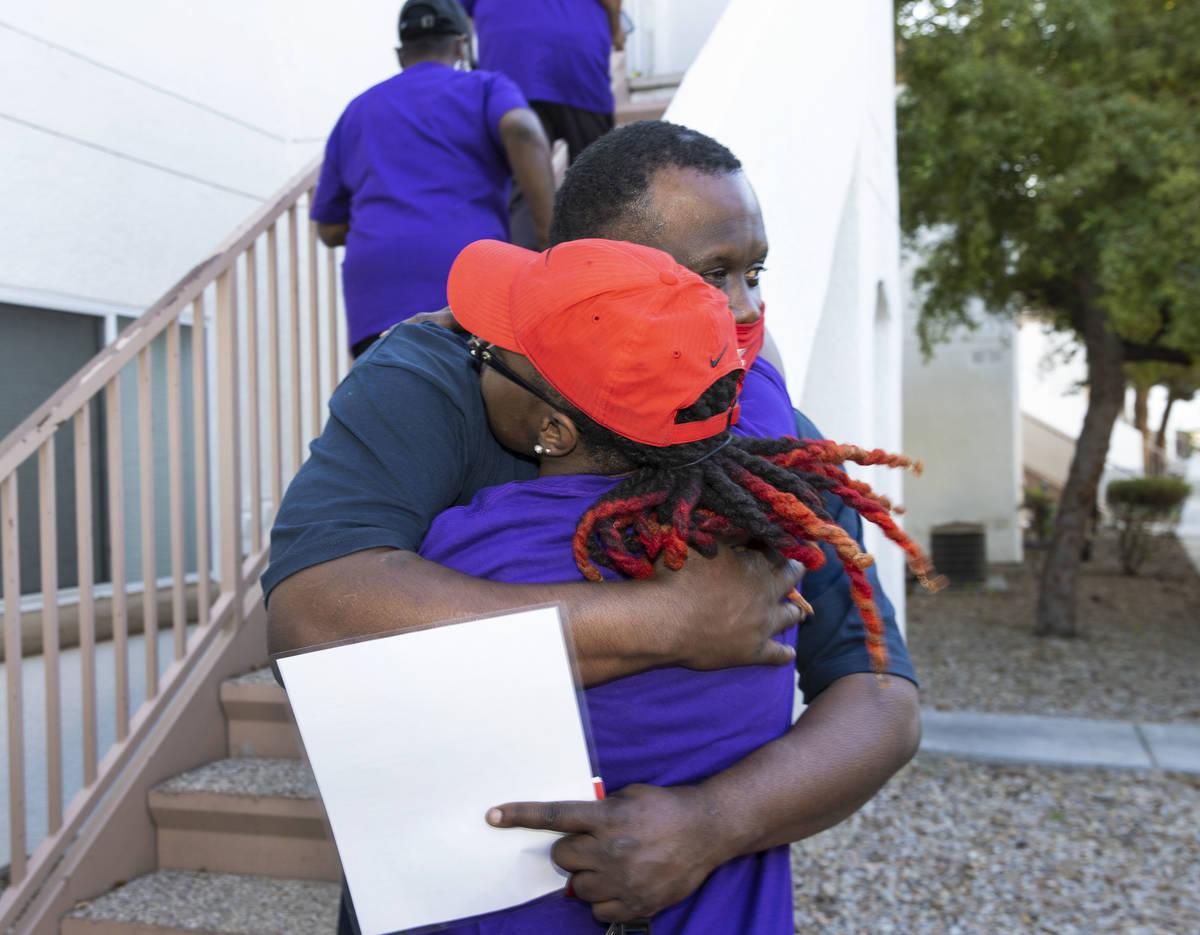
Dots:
(237, 360)
(243, 844)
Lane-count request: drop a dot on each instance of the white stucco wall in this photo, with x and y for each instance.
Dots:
(961, 417)
(667, 34)
(136, 134)
(802, 92)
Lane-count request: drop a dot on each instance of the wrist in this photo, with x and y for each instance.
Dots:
(716, 830)
(671, 634)
(619, 628)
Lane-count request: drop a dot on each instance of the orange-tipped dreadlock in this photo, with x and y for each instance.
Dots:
(769, 491)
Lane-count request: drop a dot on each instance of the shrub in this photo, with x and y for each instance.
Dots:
(1137, 504)
(1041, 507)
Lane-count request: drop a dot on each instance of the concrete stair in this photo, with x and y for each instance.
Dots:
(640, 97)
(244, 847)
(259, 717)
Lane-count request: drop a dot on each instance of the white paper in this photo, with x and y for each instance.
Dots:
(413, 737)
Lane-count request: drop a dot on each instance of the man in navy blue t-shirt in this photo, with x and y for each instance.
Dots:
(419, 166)
(408, 437)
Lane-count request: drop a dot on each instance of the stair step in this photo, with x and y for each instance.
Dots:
(629, 111)
(245, 815)
(259, 717)
(180, 902)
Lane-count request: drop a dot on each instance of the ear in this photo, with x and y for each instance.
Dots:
(558, 434)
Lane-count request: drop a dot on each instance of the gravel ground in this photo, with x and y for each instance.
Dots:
(968, 848)
(1137, 656)
(963, 848)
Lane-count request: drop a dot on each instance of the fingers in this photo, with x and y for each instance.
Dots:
(608, 903)
(786, 582)
(790, 610)
(780, 574)
(592, 887)
(569, 817)
(798, 599)
(612, 910)
(776, 654)
(443, 317)
(787, 576)
(785, 585)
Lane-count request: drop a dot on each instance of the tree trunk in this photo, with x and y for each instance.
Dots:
(1141, 422)
(1106, 391)
(1160, 437)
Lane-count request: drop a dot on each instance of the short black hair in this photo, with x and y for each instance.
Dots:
(608, 181)
(429, 45)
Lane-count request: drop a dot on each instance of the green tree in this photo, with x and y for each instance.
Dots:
(1050, 160)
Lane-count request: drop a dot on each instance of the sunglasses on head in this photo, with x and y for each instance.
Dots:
(483, 352)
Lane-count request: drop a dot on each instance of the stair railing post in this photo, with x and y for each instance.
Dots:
(229, 442)
(48, 523)
(10, 549)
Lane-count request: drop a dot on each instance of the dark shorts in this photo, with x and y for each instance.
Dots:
(357, 348)
(561, 122)
(577, 126)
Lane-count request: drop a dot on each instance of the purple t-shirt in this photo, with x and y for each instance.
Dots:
(416, 166)
(766, 408)
(666, 726)
(555, 50)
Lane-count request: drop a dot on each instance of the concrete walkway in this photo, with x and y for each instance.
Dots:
(1028, 738)
(1062, 741)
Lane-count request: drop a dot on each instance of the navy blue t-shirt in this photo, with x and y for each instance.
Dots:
(407, 438)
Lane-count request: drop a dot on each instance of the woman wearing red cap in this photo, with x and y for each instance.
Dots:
(618, 369)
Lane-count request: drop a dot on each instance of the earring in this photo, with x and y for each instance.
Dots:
(539, 450)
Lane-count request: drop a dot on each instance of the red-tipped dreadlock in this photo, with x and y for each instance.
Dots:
(769, 491)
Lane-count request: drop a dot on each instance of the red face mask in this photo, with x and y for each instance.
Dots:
(750, 337)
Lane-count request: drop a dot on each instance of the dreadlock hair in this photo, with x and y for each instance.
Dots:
(607, 184)
(768, 491)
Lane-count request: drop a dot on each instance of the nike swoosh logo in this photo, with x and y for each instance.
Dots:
(716, 360)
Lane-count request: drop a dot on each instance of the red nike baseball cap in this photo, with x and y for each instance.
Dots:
(623, 332)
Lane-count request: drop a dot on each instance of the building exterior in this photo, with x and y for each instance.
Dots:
(802, 92)
(997, 409)
(962, 419)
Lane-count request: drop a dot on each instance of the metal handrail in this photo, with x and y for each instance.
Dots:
(239, 436)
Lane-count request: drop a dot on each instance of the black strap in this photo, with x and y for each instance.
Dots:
(632, 927)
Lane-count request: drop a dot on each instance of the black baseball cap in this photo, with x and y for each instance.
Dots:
(433, 18)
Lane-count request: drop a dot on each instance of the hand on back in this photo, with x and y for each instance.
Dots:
(730, 606)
